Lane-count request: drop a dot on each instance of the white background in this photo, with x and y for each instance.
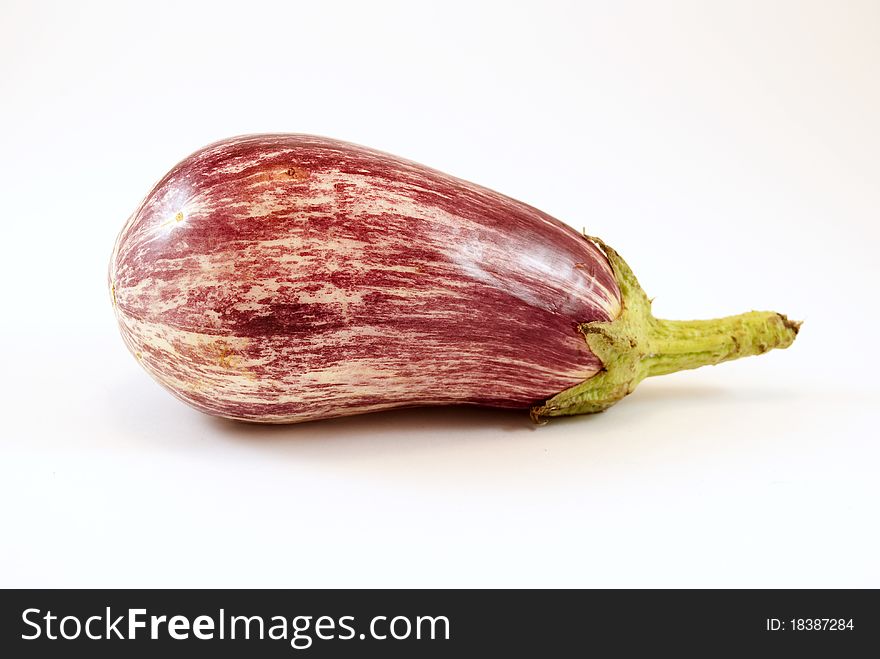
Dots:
(728, 150)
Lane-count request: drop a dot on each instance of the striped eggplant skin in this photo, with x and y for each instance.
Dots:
(283, 278)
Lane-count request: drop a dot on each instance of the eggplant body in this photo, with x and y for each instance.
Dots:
(285, 278)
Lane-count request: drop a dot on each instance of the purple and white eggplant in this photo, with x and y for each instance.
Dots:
(285, 278)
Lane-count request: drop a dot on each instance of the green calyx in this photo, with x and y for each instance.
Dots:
(636, 345)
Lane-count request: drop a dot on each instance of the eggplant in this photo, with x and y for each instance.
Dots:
(283, 278)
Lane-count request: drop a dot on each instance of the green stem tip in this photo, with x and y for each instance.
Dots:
(676, 345)
(636, 345)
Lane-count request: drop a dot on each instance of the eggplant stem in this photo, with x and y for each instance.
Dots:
(677, 345)
(636, 345)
